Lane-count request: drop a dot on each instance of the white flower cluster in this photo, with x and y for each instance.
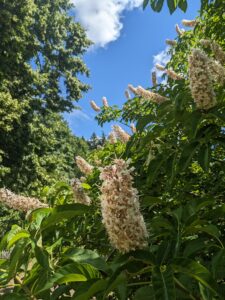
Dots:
(154, 78)
(201, 80)
(173, 75)
(79, 194)
(112, 138)
(180, 31)
(171, 42)
(160, 67)
(218, 52)
(132, 89)
(84, 166)
(120, 208)
(217, 71)
(154, 97)
(127, 95)
(95, 106)
(105, 102)
(133, 128)
(18, 202)
(189, 23)
(121, 134)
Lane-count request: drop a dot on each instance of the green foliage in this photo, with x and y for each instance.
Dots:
(178, 156)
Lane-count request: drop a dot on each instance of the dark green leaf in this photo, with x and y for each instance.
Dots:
(182, 4)
(156, 5)
(163, 283)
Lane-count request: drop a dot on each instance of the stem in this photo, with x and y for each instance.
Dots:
(183, 288)
(139, 283)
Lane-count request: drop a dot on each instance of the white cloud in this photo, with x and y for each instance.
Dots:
(102, 18)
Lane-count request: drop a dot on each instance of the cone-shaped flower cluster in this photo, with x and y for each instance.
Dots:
(84, 166)
(201, 80)
(18, 202)
(95, 106)
(127, 95)
(173, 75)
(112, 138)
(79, 194)
(189, 23)
(218, 52)
(160, 67)
(217, 71)
(179, 30)
(171, 42)
(105, 102)
(132, 89)
(154, 97)
(120, 208)
(154, 79)
(122, 135)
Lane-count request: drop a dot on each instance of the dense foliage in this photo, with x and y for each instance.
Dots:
(40, 60)
(177, 159)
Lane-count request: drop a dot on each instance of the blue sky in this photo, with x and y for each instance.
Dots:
(124, 53)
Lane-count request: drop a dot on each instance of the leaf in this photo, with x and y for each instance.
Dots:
(195, 270)
(186, 155)
(204, 157)
(145, 3)
(154, 168)
(87, 256)
(20, 235)
(163, 283)
(218, 263)
(172, 4)
(71, 278)
(144, 293)
(15, 259)
(64, 212)
(42, 257)
(90, 289)
(182, 4)
(156, 5)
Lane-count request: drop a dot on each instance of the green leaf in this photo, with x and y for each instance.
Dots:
(71, 278)
(23, 234)
(90, 289)
(163, 283)
(64, 212)
(42, 257)
(172, 4)
(182, 4)
(15, 259)
(186, 155)
(204, 157)
(145, 3)
(156, 5)
(195, 270)
(87, 256)
(144, 293)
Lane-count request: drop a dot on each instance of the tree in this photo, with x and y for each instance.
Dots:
(40, 58)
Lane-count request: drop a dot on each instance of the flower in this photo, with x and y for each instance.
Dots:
(105, 102)
(112, 138)
(201, 80)
(179, 30)
(132, 89)
(95, 106)
(127, 94)
(154, 79)
(133, 128)
(171, 42)
(160, 67)
(217, 71)
(19, 202)
(173, 75)
(79, 194)
(218, 52)
(120, 208)
(84, 166)
(122, 135)
(189, 23)
(154, 97)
